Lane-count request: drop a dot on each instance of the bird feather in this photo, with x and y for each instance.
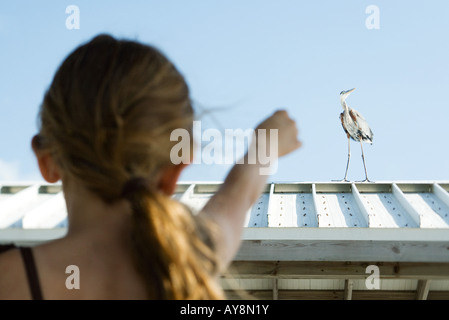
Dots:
(356, 126)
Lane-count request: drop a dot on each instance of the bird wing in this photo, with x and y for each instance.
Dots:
(343, 124)
(362, 125)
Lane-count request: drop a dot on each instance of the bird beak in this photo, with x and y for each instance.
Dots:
(349, 91)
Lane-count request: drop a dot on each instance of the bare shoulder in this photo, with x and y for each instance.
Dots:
(13, 283)
(99, 274)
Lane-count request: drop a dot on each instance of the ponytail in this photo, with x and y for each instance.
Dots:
(173, 250)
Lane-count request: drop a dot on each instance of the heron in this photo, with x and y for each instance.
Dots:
(356, 128)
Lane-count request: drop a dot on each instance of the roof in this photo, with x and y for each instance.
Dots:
(321, 210)
(294, 230)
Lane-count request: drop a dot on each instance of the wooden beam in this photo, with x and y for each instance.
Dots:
(349, 250)
(422, 289)
(348, 289)
(438, 295)
(288, 295)
(335, 295)
(335, 270)
(275, 289)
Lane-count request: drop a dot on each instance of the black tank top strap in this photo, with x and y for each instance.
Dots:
(31, 271)
(6, 247)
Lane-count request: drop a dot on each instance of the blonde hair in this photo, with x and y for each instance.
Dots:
(106, 119)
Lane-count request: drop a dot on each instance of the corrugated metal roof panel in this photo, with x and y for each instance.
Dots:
(296, 205)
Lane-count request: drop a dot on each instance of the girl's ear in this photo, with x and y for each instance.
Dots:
(169, 177)
(47, 166)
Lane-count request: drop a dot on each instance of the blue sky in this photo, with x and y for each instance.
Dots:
(245, 59)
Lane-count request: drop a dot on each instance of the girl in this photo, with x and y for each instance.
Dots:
(105, 124)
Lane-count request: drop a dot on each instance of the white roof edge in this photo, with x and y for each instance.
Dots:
(43, 182)
(441, 181)
(15, 235)
(275, 233)
(344, 233)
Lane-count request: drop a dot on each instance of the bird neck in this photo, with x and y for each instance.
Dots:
(344, 105)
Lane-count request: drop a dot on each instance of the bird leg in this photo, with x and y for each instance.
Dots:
(363, 158)
(349, 157)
